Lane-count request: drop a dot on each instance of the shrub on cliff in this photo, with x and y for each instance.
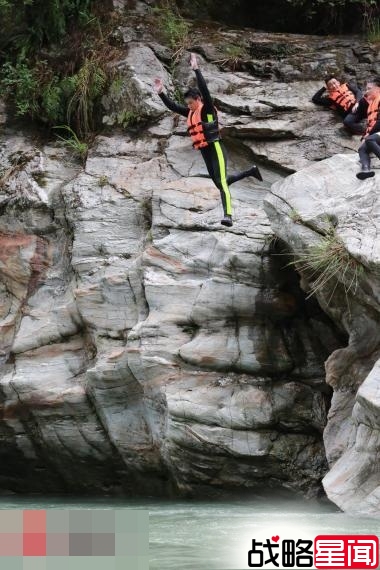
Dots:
(53, 57)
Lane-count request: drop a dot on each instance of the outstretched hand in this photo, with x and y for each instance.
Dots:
(158, 86)
(193, 61)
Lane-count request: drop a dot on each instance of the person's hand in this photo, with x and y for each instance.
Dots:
(193, 61)
(158, 86)
(355, 107)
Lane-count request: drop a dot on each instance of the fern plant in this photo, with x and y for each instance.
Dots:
(19, 82)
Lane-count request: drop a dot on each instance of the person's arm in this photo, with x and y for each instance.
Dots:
(169, 103)
(173, 105)
(202, 85)
(206, 96)
(360, 109)
(320, 98)
(355, 90)
(376, 127)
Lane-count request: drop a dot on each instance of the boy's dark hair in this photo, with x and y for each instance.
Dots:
(374, 81)
(192, 93)
(329, 78)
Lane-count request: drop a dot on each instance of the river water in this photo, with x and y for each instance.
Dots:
(217, 535)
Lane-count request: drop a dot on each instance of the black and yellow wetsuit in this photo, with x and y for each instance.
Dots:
(214, 154)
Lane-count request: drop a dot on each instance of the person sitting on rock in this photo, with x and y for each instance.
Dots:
(345, 99)
(202, 122)
(371, 136)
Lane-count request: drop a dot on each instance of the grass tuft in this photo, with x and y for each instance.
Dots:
(90, 82)
(234, 57)
(329, 262)
(79, 148)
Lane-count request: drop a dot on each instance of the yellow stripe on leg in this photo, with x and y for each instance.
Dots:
(223, 178)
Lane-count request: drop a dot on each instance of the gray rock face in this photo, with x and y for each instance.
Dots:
(315, 215)
(145, 348)
(130, 96)
(144, 342)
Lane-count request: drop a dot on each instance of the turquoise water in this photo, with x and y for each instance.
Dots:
(218, 535)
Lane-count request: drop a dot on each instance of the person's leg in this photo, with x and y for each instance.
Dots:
(365, 160)
(352, 124)
(253, 171)
(216, 156)
(208, 157)
(373, 144)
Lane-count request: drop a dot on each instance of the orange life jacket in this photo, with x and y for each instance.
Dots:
(202, 133)
(372, 114)
(343, 97)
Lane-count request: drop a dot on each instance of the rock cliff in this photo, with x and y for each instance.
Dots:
(147, 349)
(330, 221)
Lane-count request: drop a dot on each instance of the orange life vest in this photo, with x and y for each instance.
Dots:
(202, 133)
(372, 114)
(343, 97)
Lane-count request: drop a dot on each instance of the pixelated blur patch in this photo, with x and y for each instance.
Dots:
(55, 539)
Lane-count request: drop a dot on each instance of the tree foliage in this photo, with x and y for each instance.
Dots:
(29, 24)
(301, 16)
(52, 66)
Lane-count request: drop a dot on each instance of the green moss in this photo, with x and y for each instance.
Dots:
(129, 119)
(103, 181)
(116, 87)
(294, 216)
(40, 179)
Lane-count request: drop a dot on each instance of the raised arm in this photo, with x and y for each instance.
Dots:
(202, 85)
(320, 98)
(169, 103)
(355, 90)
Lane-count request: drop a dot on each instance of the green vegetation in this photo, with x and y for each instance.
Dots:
(28, 25)
(71, 141)
(235, 55)
(329, 262)
(36, 91)
(103, 181)
(172, 26)
(53, 57)
(301, 16)
(116, 87)
(335, 14)
(88, 85)
(174, 31)
(129, 119)
(374, 32)
(295, 216)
